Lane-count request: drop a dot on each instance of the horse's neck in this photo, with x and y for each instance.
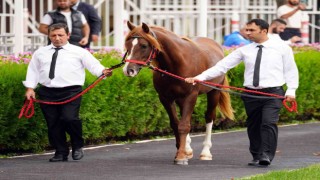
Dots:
(170, 59)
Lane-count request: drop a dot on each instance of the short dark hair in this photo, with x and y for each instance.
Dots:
(58, 26)
(259, 22)
(281, 21)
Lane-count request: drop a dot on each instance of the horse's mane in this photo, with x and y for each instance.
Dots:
(151, 39)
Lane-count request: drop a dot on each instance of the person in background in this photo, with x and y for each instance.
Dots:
(277, 26)
(75, 20)
(236, 38)
(61, 76)
(269, 64)
(92, 18)
(291, 13)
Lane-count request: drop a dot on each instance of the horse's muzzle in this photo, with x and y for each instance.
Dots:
(131, 69)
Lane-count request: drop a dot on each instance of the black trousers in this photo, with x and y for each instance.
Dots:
(263, 115)
(62, 119)
(289, 33)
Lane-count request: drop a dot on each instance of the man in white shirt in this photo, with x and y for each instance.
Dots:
(76, 21)
(291, 13)
(276, 27)
(269, 64)
(61, 77)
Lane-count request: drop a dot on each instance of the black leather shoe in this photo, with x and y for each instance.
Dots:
(58, 158)
(254, 162)
(77, 154)
(264, 161)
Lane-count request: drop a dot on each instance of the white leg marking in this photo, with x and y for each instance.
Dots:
(205, 154)
(188, 149)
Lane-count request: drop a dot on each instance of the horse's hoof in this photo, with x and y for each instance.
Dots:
(181, 161)
(205, 157)
(189, 155)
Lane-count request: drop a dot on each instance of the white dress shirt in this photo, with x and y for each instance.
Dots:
(277, 66)
(70, 67)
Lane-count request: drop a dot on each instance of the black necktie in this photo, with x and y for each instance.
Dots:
(256, 72)
(53, 63)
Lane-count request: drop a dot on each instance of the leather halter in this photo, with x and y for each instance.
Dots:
(152, 55)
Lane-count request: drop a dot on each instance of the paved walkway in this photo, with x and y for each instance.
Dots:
(154, 160)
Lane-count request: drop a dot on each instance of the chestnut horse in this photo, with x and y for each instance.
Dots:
(182, 57)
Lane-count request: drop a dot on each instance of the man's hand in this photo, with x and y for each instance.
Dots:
(190, 80)
(295, 39)
(290, 98)
(107, 72)
(30, 94)
(302, 6)
(83, 41)
(94, 38)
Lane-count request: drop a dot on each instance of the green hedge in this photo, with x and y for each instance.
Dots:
(129, 107)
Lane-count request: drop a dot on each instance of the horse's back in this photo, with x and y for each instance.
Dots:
(210, 46)
(209, 52)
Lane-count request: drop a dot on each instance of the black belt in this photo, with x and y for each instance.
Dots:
(62, 88)
(270, 89)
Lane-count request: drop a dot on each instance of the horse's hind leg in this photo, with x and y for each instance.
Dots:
(210, 116)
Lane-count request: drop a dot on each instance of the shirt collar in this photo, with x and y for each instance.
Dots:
(267, 43)
(66, 46)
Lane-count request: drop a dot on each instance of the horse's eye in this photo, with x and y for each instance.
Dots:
(143, 46)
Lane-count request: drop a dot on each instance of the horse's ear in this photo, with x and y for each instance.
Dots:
(130, 25)
(145, 28)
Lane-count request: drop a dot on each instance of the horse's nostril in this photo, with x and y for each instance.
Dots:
(130, 71)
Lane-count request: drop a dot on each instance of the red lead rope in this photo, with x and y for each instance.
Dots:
(293, 107)
(27, 109)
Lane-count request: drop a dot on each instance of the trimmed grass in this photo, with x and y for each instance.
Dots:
(311, 172)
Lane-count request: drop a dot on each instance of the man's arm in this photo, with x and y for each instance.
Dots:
(44, 24)
(291, 74)
(219, 69)
(94, 20)
(85, 33)
(289, 14)
(43, 28)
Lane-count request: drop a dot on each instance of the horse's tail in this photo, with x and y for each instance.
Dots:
(225, 102)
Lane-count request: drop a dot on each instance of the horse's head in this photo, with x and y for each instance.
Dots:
(141, 45)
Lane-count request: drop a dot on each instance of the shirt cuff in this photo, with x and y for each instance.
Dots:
(200, 77)
(100, 71)
(291, 92)
(29, 84)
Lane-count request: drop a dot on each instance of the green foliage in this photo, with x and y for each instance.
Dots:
(120, 106)
(17, 133)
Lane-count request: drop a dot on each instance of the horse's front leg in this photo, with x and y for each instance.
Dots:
(170, 107)
(186, 108)
(210, 116)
